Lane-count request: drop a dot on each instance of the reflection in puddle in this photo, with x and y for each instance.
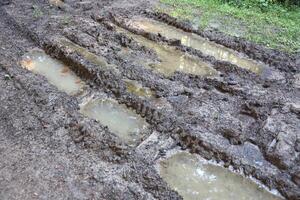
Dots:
(197, 42)
(173, 60)
(124, 122)
(56, 72)
(194, 179)
(137, 89)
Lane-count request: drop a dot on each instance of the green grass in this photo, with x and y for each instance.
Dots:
(275, 26)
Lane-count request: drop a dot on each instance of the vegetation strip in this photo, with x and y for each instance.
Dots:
(273, 25)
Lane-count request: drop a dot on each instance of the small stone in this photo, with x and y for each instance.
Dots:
(297, 81)
(273, 143)
(295, 108)
(7, 77)
(283, 152)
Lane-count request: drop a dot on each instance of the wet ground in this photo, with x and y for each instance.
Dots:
(92, 104)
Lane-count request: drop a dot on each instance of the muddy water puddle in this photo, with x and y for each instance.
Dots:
(172, 60)
(56, 2)
(197, 42)
(125, 123)
(195, 179)
(122, 121)
(55, 71)
(137, 89)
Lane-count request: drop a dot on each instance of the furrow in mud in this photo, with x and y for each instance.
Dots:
(190, 80)
(239, 118)
(125, 22)
(91, 136)
(230, 74)
(280, 60)
(167, 122)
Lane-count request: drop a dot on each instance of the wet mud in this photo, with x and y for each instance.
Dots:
(54, 145)
(172, 60)
(197, 42)
(280, 60)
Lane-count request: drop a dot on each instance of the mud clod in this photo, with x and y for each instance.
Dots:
(169, 96)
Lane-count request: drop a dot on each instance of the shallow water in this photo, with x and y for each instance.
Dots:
(55, 71)
(172, 60)
(56, 2)
(197, 42)
(194, 179)
(123, 122)
(137, 89)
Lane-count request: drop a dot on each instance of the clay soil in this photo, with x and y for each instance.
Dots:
(48, 150)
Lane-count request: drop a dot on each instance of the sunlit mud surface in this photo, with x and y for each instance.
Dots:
(137, 89)
(172, 60)
(197, 42)
(195, 179)
(125, 123)
(56, 72)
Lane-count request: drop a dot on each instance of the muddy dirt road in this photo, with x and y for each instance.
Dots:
(149, 85)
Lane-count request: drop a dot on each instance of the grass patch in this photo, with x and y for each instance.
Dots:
(274, 26)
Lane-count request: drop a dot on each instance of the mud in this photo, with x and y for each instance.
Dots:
(49, 150)
(172, 60)
(125, 123)
(137, 89)
(275, 58)
(197, 42)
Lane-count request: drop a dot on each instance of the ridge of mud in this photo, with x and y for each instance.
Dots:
(190, 119)
(167, 122)
(242, 76)
(190, 80)
(226, 67)
(86, 134)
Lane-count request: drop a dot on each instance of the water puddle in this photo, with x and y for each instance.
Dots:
(56, 2)
(137, 89)
(196, 179)
(124, 122)
(172, 60)
(55, 71)
(197, 42)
